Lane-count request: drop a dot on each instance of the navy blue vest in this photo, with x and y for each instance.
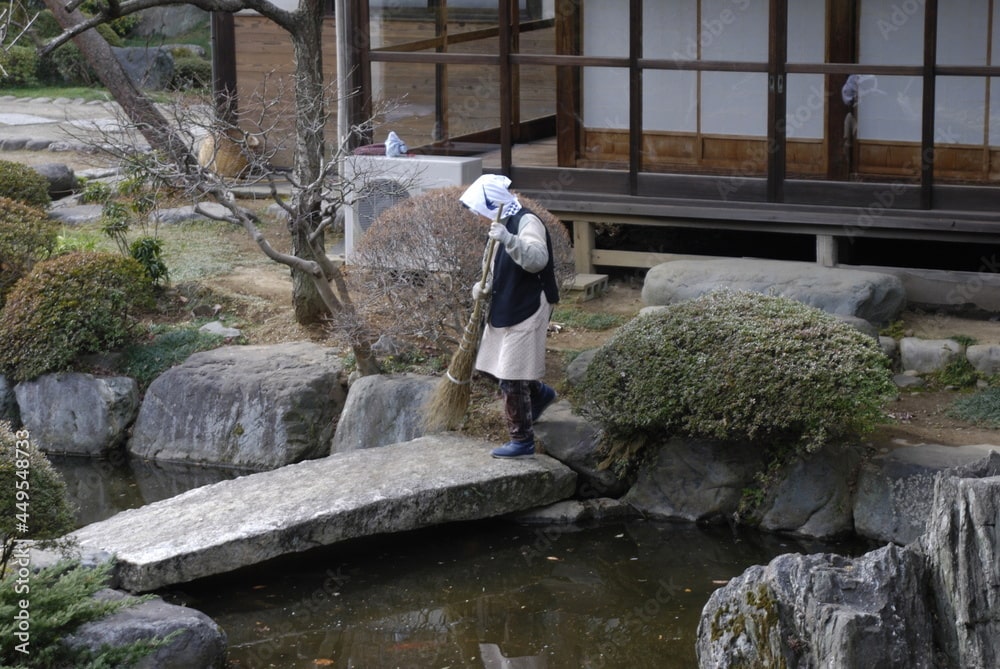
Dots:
(515, 291)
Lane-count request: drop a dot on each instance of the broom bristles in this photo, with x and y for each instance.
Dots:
(450, 401)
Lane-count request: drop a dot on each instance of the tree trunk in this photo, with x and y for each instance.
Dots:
(140, 109)
(310, 121)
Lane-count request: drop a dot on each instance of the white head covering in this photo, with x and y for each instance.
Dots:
(489, 192)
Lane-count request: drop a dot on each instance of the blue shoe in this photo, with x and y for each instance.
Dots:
(515, 449)
(546, 396)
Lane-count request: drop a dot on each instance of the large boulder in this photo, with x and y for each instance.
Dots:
(249, 406)
(694, 480)
(149, 68)
(962, 549)
(895, 490)
(382, 410)
(575, 442)
(815, 611)
(932, 603)
(874, 297)
(706, 480)
(62, 180)
(198, 641)
(77, 414)
(813, 497)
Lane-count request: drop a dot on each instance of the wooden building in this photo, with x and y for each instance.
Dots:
(719, 127)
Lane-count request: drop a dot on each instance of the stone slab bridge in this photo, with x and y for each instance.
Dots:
(231, 524)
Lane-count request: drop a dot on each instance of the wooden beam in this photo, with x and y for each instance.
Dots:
(583, 246)
(506, 7)
(224, 66)
(634, 94)
(440, 71)
(359, 68)
(826, 250)
(569, 109)
(841, 48)
(777, 99)
(929, 103)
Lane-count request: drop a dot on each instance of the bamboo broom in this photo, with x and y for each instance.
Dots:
(450, 401)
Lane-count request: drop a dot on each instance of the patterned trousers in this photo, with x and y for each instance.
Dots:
(517, 407)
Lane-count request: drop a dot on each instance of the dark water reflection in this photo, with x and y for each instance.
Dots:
(470, 595)
(486, 595)
(100, 488)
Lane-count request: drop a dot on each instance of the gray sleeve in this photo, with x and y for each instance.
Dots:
(527, 248)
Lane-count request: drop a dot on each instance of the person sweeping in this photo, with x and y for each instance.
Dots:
(522, 288)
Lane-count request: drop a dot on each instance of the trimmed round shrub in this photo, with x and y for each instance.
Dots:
(49, 514)
(27, 235)
(21, 65)
(191, 72)
(736, 366)
(412, 272)
(22, 183)
(68, 306)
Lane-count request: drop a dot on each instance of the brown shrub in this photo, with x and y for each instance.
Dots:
(412, 273)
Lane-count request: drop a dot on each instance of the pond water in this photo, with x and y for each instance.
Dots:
(483, 595)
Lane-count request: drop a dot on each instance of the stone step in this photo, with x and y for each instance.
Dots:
(232, 524)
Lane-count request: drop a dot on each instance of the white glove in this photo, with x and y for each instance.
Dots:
(480, 290)
(498, 231)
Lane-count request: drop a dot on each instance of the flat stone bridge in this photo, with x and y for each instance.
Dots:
(231, 524)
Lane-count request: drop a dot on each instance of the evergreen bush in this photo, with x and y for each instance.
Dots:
(740, 367)
(22, 183)
(68, 306)
(62, 599)
(191, 72)
(20, 63)
(27, 235)
(33, 501)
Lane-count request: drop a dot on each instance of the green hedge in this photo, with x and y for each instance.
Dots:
(22, 183)
(740, 367)
(21, 66)
(27, 235)
(71, 305)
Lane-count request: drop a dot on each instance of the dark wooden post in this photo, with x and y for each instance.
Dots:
(930, 97)
(224, 66)
(569, 129)
(841, 48)
(634, 95)
(777, 112)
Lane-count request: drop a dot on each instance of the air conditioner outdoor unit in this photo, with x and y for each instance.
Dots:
(378, 182)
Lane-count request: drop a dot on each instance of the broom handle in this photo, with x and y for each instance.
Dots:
(487, 262)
